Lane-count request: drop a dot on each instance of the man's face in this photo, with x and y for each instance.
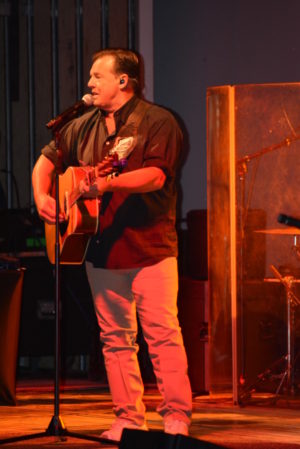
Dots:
(105, 84)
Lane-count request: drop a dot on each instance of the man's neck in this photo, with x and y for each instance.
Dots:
(122, 101)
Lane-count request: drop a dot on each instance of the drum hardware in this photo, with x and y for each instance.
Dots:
(292, 301)
(295, 232)
(287, 376)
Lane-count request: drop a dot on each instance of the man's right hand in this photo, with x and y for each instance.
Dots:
(46, 207)
(42, 179)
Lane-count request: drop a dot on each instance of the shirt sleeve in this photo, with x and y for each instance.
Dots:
(164, 144)
(77, 138)
(65, 144)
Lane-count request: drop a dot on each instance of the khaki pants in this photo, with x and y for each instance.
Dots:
(152, 293)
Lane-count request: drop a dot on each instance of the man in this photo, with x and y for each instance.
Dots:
(131, 263)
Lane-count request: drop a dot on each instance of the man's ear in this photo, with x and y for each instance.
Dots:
(123, 80)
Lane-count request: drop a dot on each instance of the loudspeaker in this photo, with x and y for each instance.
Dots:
(197, 244)
(11, 284)
(155, 439)
(263, 329)
(254, 248)
(193, 316)
(37, 327)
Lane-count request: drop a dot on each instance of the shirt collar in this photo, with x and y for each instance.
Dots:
(122, 114)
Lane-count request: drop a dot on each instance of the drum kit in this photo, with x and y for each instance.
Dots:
(287, 377)
(288, 281)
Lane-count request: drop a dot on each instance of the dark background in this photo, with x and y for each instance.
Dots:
(196, 44)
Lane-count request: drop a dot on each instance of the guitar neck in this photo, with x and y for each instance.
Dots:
(76, 192)
(109, 165)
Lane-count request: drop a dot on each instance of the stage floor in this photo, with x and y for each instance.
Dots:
(86, 407)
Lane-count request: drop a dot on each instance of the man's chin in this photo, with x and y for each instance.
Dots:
(99, 104)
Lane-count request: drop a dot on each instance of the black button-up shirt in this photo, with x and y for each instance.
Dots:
(135, 230)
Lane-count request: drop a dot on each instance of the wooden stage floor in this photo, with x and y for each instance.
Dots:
(86, 407)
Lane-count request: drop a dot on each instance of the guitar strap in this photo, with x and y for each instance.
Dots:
(129, 130)
(135, 117)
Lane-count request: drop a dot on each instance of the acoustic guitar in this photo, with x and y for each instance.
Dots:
(81, 212)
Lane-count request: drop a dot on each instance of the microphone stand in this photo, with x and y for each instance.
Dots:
(56, 426)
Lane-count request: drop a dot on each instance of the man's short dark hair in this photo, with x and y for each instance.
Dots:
(126, 61)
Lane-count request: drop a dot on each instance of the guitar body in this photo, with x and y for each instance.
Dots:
(81, 223)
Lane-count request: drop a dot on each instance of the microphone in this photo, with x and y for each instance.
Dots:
(289, 221)
(70, 113)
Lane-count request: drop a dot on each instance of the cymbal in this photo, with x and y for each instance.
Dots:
(280, 231)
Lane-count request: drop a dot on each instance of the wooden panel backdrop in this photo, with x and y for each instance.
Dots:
(45, 56)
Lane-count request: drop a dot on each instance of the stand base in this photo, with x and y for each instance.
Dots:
(57, 428)
(285, 384)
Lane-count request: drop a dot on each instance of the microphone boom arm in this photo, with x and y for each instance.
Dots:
(70, 113)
